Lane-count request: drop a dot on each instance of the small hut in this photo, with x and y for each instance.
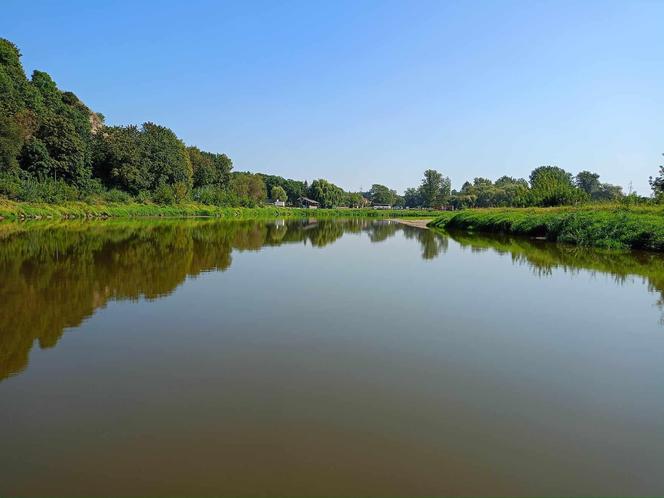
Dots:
(305, 202)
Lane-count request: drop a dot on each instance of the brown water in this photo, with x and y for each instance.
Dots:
(332, 358)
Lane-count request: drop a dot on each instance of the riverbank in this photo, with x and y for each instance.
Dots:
(424, 224)
(12, 210)
(607, 227)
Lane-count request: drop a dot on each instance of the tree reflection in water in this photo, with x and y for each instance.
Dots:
(55, 275)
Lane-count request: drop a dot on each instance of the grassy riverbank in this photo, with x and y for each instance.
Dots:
(24, 210)
(609, 227)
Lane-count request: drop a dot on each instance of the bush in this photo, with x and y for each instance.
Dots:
(10, 186)
(24, 187)
(180, 192)
(163, 195)
(48, 190)
(144, 197)
(213, 196)
(115, 195)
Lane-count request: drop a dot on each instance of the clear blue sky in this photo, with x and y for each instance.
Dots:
(370, 92)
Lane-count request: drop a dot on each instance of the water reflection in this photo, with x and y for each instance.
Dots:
(353, 358)
(545, 257)
(54, 275)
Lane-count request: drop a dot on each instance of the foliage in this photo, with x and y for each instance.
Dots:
(356, 200)
(326, 193)
(412, 198)
(587, 181)
(552, 186)
(380, 194)
(657, 183)
(248, 188)
(278, 194)
(209, 169)
(146, 158)
(506, 191)
(435, 189)
(147, 207)
(294, 189)
(50, 140)
(602, 192)
(601, 226)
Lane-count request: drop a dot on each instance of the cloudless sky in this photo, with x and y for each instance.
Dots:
(363, 92)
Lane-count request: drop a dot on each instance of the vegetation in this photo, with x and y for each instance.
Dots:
(54, 150)
(380, 194)
(610, 227)
(77, 267)
(278, 194)
(13, 210)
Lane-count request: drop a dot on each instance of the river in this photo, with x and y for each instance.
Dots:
(324, 358)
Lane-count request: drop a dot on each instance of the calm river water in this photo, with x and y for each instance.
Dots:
(330, 358)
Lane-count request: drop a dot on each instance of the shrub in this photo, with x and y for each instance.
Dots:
(47, 190)
(115, 195)
(144, 197)
(163, 194)
(10, 186)
(180, 191)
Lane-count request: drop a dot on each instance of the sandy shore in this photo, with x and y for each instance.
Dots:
(413, 223)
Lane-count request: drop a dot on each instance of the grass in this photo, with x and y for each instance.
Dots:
(613, 227)
(13, 210)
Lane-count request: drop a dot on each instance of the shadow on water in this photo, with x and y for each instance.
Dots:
(55, 275)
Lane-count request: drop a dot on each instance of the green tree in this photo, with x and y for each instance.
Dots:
(52, 126)
(657, 183)
(355, 200)
(608, 193)
(552, 186)
(138, 159)
(67, 151)
(380, 194)
(412, 198)
(248, 188)
(326, 193)
(209, 169)
(10, 143)
(588, 182)
(278, 194)
(435, 189)
(294, 188)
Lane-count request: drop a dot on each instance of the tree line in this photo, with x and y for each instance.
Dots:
(53, 148)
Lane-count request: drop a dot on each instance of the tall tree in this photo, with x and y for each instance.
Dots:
(209, 169)
(435, 188)
(137, 159)
(278, 194)
(412, 198)
(326, 193)
(552, 186)
(380, 194)
(657, 183)
(249, 188)
(588, 182)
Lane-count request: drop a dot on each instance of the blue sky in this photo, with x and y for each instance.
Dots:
(364, 92)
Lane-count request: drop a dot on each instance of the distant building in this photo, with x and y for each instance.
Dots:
(305, 202)
(382, 206)
(275, 203)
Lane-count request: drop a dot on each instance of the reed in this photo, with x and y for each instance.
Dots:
(601, 226)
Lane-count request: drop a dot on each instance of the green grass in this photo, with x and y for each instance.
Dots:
(601, 226)
(12, 210)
